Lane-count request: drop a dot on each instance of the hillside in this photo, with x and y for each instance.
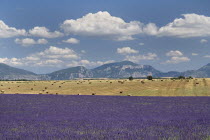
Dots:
(71, 73)
(8, 72)
(122, 69)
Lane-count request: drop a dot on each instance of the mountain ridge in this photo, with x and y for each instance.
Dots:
(121, 69)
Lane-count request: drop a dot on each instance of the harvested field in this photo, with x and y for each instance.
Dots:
(121, 87)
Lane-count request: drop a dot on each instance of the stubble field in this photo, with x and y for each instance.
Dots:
(118, 87)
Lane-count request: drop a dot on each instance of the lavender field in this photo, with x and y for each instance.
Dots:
(103, 117)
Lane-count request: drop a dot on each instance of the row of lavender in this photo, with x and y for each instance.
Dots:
(103, 117)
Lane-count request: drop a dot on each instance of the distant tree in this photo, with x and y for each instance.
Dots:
(130, 78)
(181, 77)
(149, 77)
(190, 77)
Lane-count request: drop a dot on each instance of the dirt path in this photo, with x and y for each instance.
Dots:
(195, 87)
(206, 87)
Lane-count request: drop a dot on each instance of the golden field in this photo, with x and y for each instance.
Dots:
(119, 87)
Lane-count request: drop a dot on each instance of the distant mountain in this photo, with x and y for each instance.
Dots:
(8, 72)
(71, 73)
(203, 72)
(170, 74)
(124, 69)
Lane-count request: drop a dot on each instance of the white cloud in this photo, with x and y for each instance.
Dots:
(126, 50)
(55, 53)
(42, 41)
(11, 61)
(176, 57)
(7, 32)
(88, 63)
(29, 41)
(104, 25)
(192, 25)
(141, 44)
(150, 29)
(44, 32)
(72, 41)
(25, 42)
(137, 58)
(83, 51)
(176, 60)
(203, 41)
(53, 56)
(194, 54)
(174, 53)
(3, 60)
(207, 56)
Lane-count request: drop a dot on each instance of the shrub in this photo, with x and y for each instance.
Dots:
(149, 77)
(130, 78)
(181, 77)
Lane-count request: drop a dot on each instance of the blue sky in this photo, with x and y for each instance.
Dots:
(43, 36)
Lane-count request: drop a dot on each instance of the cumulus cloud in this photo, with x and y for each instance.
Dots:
(194, 54)
(88, 63)
(202, 41)
(207, 56)
(138, 58)
(29, 41)
(7, 32)
(192, 25)
(72, 41)
(174, 53)
(141, 44)
(44, 32)
(176, 60)
(83, 51)
(42, 41)
(132, 55)
(150, 29)
(55, 52)
(53, 56)
(176, 57)
(104, 25)
(11, 61)
(126, 50)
